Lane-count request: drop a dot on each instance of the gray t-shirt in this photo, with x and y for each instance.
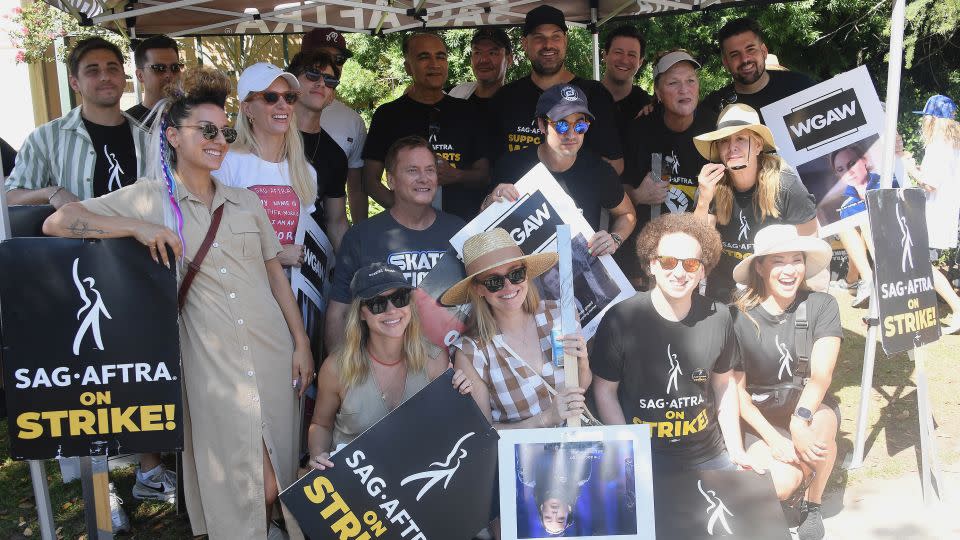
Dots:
(382, 239)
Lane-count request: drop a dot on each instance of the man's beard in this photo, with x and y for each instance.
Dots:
(757, 73)
(541, 69)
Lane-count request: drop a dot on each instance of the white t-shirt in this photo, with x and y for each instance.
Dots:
(271, 182)
(347, 128)
(463, 90)
(941, 169)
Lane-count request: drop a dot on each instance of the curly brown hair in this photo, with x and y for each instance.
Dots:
(693, 226)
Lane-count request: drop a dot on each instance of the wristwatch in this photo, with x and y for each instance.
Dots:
(617, 239)
(804, 414)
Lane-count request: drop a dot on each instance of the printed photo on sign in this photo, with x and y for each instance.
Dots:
(830, 133)
(576, 483)
(532, 220)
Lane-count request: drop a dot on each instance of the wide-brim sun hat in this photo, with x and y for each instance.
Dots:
(733, 119)
(260, 76)
(491, 249)
(774, 239)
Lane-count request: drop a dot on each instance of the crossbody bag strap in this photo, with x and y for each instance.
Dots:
(194, 265)
(802, 343)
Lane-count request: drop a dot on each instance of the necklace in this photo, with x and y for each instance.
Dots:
(383, 394)
(388, 364)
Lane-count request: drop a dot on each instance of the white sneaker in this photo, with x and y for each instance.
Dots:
(121, 523)
(160, 486)
(863, 294)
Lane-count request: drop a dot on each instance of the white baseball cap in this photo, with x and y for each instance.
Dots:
(668, 60)
(260, 76)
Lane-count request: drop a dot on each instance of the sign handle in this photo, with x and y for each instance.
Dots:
(929, 463)
(866, 379)
(568, 321)
(96, 497)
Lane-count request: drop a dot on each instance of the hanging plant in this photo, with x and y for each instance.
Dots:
(37, 25)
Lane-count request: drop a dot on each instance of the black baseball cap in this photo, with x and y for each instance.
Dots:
(562, 100)
(496, 35)
(375, 278)
(543, 15)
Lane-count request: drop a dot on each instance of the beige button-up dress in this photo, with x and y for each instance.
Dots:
(237, 355)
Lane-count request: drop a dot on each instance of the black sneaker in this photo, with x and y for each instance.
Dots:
(812, 527)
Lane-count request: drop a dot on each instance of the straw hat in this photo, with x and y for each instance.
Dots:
(784, 239)
(734, 118)
(490, 249)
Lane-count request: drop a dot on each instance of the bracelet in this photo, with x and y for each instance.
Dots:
(54, 194)
(617, 239)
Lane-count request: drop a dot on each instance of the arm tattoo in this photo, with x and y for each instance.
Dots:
(82, 229)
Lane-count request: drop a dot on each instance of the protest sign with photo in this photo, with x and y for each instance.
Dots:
(904, 276)
(598, 283)
(425, 471)
(830, 133)
(706, 504)
(576, 482)
(91, 355)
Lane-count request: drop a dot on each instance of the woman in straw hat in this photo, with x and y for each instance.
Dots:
(744, 188)
(507, 348)
(793, 437)
(382, 362)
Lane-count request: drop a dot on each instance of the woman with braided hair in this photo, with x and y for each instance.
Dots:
(239, 322)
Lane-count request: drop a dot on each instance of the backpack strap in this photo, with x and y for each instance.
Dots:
(802, 342)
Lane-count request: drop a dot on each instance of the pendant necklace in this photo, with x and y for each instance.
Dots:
(383, 395)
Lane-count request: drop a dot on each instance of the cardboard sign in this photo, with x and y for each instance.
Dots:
(426, 471)
(283, 209)
(91, 352)
(577, 483)
(311, 281)
(904, 277)
(707, 504)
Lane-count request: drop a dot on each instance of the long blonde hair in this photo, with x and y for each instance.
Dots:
(764, 198)
(303, 183)
(944, 130)
(351, 356)
(482, 324)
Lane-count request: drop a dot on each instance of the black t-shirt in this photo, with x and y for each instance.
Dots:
(482, 104)
(680, 163)
(513, 113)
(591, 182)
(796, 207)
(768, 353)
(330, 162)
(116, 157)
(627, 110)
(138, 112)
(452, 127)
(664, 370)
(9, 157)
(782, 84)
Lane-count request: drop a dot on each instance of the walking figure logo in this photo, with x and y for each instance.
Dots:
(674, 370)
(716, 510)
(673, 162)
(744, 228)
(444, 473)
(115, 170)
(90, 311)
(906, 241)
(785, 358)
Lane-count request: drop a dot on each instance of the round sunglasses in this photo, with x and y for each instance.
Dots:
(496, 282)
(669, 263)
(271, 97)
(210, 131)
(378, 304)
(562, 126)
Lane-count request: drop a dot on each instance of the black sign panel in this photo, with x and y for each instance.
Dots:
(91, 356)
(707, 504)
(825, 119)
(904, 277)
(533, 223)
(425, 471)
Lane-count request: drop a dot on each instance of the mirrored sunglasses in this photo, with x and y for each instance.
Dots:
(669, 263)
(209, 132)
(562, 126)
(496, 282)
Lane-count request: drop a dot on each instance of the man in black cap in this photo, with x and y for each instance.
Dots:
(564, 119)
(452, 127)
(491, 53)
(515, 126)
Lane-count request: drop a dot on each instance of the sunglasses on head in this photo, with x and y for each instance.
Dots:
(378, 304)
(272, 97)
(176, 67)
(209, 132)
(329, 81)
(669, 263)
(562, 126)
(496, 282)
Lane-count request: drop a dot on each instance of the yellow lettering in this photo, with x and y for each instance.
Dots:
(29, 426)
(81, 422)
(151, 418)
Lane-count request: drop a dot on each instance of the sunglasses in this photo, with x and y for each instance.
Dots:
(210, 131)
(495, 283)
(272, 97)
(669, 263)
(562, 126)
(329, 81)
(176, 67)
(378, 304)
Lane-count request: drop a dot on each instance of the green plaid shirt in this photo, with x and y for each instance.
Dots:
(60, 153)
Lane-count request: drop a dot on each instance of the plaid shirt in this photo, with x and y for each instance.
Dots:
(60, 153)
(516, 391)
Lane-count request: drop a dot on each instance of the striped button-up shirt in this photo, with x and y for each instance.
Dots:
(60, 153)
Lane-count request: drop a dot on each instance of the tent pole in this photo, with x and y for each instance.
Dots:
(595, 32)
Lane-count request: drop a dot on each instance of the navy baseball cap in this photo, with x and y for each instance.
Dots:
(940, 106)
(375, 278)
(543, 15)
(562, 100)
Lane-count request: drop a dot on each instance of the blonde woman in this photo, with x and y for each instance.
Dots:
(381, 363)
(745, 187)
(268, 155)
